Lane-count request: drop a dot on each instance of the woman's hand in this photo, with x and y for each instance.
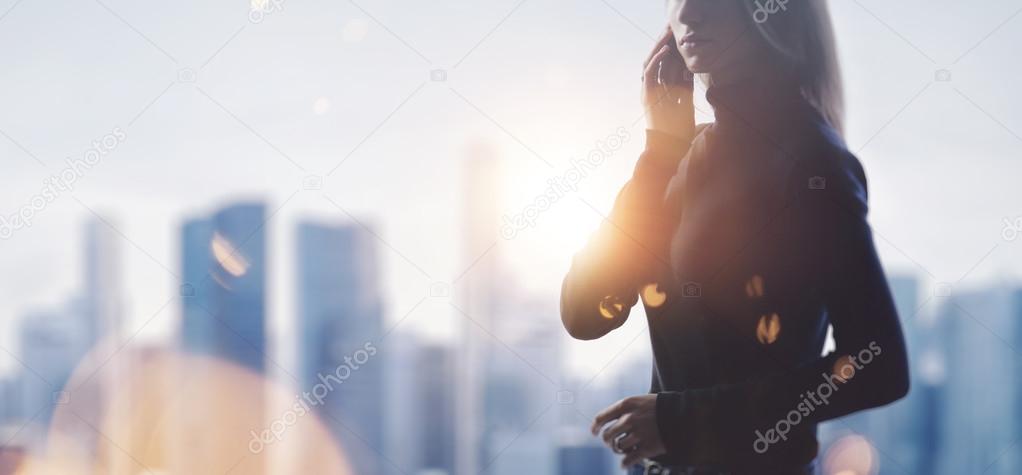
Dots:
(633, 428)
(667, 90)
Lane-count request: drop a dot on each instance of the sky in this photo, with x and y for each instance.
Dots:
(214, 107)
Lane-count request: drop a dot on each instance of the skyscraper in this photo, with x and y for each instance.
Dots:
(340, 323)
(102, 306)
(403, 414)
(102, 280)
(583, 460)
(476, 295)
(509, 373)
(223, 262)
(51, 344)
(198, 289)
(523, 381)
(435, 367)
(978, 395)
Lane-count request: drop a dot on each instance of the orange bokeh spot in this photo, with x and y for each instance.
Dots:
(843, 369)
(754, 287)
(851, 455)
(155, 410)
(611, 307)
(652, 296)
(768, 329)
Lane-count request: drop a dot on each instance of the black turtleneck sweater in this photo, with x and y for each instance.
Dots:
(755, 230)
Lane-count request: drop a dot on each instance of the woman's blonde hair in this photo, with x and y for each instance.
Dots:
(801, 33)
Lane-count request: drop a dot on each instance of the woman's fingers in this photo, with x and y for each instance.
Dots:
(626, 443)
(636, 456)
(664, 40)
(614, 431)
(673, 70)
(652, 72)
(631, 428)
(615, 411)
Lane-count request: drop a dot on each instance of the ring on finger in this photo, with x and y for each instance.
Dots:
(617, 443)
(620, 450)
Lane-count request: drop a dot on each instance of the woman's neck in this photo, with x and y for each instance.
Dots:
(763, 69)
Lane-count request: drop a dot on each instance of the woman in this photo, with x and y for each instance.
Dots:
(746, 239)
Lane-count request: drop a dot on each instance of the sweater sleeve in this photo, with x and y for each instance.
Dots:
(867, 369)
(602, 284)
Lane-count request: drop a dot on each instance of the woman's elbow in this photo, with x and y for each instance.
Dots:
(582, 327)
(900, 385)
(893, 386)
(898, 373)
(580, 315)
(582, 333)
(888, 369)
(587, 322)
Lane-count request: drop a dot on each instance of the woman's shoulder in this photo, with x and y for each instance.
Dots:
(823, 165)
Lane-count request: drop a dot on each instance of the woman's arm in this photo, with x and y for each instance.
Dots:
(868, 368)
(603, 282)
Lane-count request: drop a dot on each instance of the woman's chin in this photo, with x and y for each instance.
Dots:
(697, 65)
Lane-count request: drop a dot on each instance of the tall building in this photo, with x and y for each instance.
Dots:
(10, 400)
(340, 323)
(403, 414)
(198, 289)
(51, 343)
(523, 380)
(583, 460)
(223, 264)
(102, 306)
(509, 368)
(476, 294)
(223, 305)
(1015, 381)
(420, 405)
(435, 396)
(979, 394)
(103, 283)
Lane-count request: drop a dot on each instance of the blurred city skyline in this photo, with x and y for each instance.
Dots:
(347, 87)
(395, 407)
(369, 114)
